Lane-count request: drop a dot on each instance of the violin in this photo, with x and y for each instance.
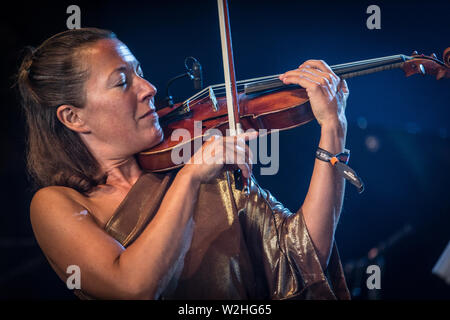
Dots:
(261, 103)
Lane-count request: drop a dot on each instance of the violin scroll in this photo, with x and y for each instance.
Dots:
(422, 64)
(446, 57)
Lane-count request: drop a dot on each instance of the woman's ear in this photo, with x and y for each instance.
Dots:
(69, 116)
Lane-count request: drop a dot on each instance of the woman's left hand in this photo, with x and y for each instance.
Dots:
(326, 91)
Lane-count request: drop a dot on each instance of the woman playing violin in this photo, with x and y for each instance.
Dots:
(90, 110)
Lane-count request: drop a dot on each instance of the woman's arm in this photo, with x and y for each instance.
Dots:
(70, 236)
(323, 203)
(108, 270)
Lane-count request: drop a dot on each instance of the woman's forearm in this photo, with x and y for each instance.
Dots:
(323, 202)
(149, 263)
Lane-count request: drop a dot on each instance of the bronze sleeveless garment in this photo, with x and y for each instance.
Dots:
(243, 247)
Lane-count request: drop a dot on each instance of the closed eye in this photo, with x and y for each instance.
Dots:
(123, 80)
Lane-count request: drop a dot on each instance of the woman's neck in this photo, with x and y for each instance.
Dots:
(121, 173)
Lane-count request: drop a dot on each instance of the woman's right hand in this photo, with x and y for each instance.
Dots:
(220, 153)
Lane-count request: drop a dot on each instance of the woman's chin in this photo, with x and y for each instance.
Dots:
(161, 138)
(157, 137)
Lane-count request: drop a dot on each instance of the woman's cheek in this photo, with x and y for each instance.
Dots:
(152, 135)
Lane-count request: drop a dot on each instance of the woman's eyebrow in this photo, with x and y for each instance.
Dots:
(123, 68)
(119, 69)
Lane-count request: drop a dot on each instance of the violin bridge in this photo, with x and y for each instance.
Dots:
(186, 108)
(212, 96)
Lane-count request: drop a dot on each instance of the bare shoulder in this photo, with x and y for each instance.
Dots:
(55, 204)
(50, 198)
(68, 234)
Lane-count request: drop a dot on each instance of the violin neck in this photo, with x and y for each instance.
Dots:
(344, 71)
(270, 83)
(359, 68)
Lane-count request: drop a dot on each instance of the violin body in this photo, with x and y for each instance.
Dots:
(283, 109)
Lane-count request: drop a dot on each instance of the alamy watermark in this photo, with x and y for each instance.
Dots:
(259, 148)
(374, 20)
(74, 280)
(74, 20)
(374, 280)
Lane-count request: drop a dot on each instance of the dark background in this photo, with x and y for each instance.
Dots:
(398, 127)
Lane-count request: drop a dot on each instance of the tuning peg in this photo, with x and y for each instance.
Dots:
(414, 52)
(433, 55)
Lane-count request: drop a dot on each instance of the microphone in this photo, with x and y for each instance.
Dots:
(194, 73)
(197, 75)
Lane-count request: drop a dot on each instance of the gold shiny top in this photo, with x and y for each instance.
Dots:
(244, 246)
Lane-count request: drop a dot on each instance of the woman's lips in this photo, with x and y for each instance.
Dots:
(152, 112)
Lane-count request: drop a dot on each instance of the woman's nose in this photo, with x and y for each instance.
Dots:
(146, 89)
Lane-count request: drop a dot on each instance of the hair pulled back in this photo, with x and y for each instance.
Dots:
(49, 76)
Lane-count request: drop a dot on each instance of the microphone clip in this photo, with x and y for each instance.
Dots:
(194, 73)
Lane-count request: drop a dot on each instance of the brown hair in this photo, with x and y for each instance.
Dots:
(49, 76)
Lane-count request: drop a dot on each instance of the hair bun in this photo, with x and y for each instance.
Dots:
(28, 58)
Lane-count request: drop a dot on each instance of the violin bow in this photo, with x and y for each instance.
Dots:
(235, 126)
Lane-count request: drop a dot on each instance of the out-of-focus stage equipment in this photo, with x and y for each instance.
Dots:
(442, 266)
(355, 271)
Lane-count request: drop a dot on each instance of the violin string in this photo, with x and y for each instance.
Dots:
(340, 66)
(372, 70)
(365, 62)
(219, 89)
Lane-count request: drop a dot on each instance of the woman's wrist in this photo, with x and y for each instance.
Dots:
(333, 136)
(334, 120)
(337, 126)
(188, 175)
